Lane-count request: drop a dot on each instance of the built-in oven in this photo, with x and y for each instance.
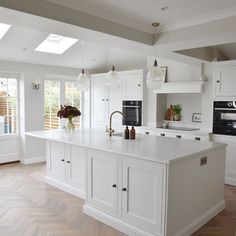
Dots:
(224, 118)
(132, 113)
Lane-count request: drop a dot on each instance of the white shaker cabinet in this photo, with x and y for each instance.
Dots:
(143, 194)
(99, 101)
(56, 160)
(104, 102)
(66, 167)
(102, 181)
(132, 85)
(76, 161)
(130, 189)
(225, 82)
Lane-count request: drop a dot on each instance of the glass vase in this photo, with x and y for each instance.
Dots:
(70, 125)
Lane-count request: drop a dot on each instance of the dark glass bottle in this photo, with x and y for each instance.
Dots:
(126, 133)
(132, 133)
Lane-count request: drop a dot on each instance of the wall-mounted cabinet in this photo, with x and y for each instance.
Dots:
(132, 85)
(225, 82)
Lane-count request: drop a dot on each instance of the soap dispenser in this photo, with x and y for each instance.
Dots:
(126, 133)
(132, 133)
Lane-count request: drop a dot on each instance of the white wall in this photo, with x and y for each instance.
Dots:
(190, 103)
(32, 102)
(176, 71)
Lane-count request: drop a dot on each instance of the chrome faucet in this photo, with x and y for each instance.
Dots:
(110, 131)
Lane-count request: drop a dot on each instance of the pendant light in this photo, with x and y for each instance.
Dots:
(82, 79)
(112, 81)
(154, 75)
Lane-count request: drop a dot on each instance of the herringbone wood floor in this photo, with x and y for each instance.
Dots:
(29, 207)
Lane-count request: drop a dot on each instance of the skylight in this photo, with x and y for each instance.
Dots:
(56, 44)
(3, 29)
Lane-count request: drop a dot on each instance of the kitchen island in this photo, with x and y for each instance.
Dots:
(148, 186)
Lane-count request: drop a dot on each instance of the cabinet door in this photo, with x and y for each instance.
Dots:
(76, 167)
(99, 102)
(132, 87)
(57, 161)
(226, 82)
(143, 194)
(102, 181)
(115, 104)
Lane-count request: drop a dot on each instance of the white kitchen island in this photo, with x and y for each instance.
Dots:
(148, 186)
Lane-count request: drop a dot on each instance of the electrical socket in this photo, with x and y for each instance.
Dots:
(203, 161)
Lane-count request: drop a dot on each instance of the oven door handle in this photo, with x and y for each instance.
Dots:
(132, 106)
(225, 109)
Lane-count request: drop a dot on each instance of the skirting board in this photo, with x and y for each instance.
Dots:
(65, 187)
(230, 177)
(9, 157)
(114, 222)
(130, 230)
(202, 220)
(230, 181)
(34, 160)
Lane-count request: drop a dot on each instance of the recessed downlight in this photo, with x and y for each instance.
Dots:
(165, 8)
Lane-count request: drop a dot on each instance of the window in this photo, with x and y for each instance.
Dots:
(57, 93)
(72, 97)
(8, 106)
(51, 104)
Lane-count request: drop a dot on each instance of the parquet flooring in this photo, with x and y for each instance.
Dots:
(29, 207)
(224, 224)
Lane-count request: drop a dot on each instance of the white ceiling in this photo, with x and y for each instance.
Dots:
(140, 14)
(19, 43)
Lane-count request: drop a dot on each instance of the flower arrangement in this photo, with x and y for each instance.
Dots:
(68, 112)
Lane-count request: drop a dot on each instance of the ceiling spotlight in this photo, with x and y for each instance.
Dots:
(165, 8)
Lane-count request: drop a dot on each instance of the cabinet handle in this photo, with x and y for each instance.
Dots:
(62, 160)
(146, 132)
(103, 99)
(197, 138)
(139, 85)
(114, 186)
(178, 136)
(163, 134)
(68, 162)
(124, 189)
(217, 81)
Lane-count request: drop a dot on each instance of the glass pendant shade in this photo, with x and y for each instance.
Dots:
(83, 81)
(154, 77)
(112, 81)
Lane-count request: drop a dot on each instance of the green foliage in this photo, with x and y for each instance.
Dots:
(177, 109)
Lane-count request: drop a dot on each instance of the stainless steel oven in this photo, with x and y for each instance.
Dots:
(224, 119)
(132, 113)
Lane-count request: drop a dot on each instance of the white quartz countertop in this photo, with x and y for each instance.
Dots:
(147, 147)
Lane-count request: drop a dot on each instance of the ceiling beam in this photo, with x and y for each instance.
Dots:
(74, 17)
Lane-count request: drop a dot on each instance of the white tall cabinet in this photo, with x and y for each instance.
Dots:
(225, 84)
(104, 102)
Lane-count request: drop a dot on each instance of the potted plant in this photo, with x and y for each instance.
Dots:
(177, 112)
(68, 112)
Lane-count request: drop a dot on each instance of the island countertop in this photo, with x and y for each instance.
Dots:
(153, 148)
